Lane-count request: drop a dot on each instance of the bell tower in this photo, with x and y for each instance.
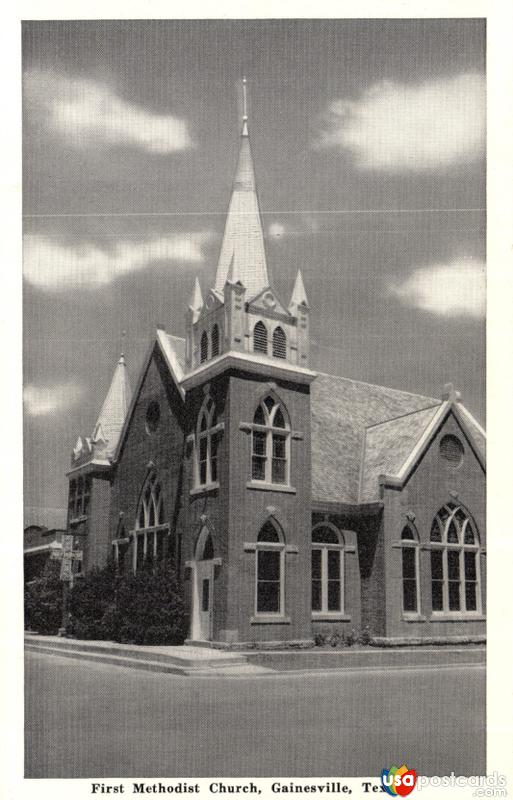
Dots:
(242, 313)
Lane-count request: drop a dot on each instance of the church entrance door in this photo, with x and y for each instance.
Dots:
(203, 589)
(204, 586)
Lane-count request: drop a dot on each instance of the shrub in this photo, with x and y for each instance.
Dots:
(146, 608)
(89, 600)
(43, 601)
(149, 608)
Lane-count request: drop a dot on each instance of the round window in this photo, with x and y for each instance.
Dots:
(451, 449)
(152, 417)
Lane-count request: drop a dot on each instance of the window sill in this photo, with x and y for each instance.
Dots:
(204, 489)
(270, 487)
(326, 616)
(413, 617)
(472, 616)
(270, 619)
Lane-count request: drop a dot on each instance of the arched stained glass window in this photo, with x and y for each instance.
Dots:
(455, 555)
(270, 443)
(150, 525)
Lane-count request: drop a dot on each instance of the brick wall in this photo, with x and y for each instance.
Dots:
(428, 489)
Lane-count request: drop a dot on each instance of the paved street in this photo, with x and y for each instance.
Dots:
(85, 720)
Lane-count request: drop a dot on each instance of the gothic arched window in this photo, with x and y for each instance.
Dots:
(270, 570)
(410, 569)
(215, 341)
(327, 570)
(270, 443)
(260, 338)
(279, 343)
(207, 443)
(150, 526)
(455, 553)
(203, 347)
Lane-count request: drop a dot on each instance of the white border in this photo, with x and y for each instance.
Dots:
(499, 15)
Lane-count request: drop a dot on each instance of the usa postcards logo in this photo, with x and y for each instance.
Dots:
(398, 781)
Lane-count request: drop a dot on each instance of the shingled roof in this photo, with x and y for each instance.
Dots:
(342, 409)
(388, 445)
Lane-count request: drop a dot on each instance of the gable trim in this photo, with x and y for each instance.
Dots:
(175, 370)
(448, 406)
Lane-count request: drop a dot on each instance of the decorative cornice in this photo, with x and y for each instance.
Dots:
(249, 362)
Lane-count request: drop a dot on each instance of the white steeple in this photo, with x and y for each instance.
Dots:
(243, 240)
(114, 410)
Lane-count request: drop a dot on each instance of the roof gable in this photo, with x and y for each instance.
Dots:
(341, 409)
(172, 350)
(393, 449)
(268, 301)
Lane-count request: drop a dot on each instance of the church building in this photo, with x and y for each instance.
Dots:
(292, 502)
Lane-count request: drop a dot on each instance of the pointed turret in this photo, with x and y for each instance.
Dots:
(298, 295)
(196, 301)
(114, 410)
(242, 249)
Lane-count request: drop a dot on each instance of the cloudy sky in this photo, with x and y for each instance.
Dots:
(368, 139)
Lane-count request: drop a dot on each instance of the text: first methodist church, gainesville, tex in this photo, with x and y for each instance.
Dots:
(292, 502)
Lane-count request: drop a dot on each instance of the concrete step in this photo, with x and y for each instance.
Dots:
(106, 657)
(109, 658)
(182, 656)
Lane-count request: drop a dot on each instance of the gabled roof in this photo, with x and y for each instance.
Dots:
(242, 257)
(341, 411)
(361, 431)
(172, 349)
(388, 445)
(394, 448)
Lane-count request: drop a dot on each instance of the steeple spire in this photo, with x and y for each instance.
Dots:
(243, 240)
(114, 410)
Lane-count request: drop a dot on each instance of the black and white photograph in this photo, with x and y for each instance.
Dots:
(254, 404)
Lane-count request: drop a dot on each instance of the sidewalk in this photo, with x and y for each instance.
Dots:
(206, 661)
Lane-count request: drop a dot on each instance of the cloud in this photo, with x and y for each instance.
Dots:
(54, 266)
(40, 401)
(419, 127)
(448, 290)
(86, 113)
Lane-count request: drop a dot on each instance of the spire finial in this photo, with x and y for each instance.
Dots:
(122, 348)
(244, 100)
(244, 108)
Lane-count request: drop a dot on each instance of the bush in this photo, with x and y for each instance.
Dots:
(149, 608)
(43, 601)
(90, 598)
(146, 608)
(337, 639)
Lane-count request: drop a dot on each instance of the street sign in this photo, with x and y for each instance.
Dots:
(66, 567)
(68, 556)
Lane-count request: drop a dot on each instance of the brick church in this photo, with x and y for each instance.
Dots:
(291, 501)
